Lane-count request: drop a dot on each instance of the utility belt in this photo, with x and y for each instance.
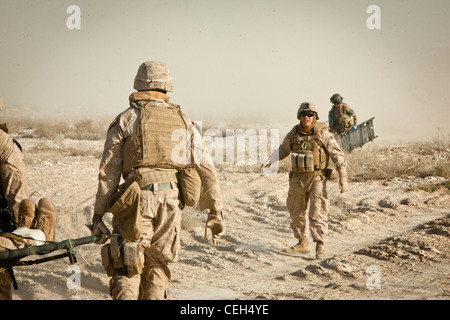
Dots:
(160, 186)
(324, 173)
(154, 179)
(187, 179)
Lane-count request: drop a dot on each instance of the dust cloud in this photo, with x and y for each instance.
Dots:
(234, 63)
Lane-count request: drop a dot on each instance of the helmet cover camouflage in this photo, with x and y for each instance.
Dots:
(153, 75)
(307, 106)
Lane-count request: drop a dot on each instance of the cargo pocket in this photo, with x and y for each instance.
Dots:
(166, 240)
(171, 248)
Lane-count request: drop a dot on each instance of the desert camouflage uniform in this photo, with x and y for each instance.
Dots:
(301, 192)
(15, 189)
(341, 118)
(13, 178)
(160, 210)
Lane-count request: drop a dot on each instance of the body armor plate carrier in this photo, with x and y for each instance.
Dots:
(153, 145)
(308, 153)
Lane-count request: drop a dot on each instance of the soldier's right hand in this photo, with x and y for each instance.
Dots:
(100, 228)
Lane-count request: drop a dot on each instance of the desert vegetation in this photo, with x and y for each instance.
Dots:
(371, 162)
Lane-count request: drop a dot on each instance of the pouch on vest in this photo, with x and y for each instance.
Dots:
(191, 185)
(309, 162)
(127, 212)
(295, 165)
(302, 162)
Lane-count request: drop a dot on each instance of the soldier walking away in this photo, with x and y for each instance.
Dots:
(311, 145)
(21, 221)
(159, 180)
(341, 117)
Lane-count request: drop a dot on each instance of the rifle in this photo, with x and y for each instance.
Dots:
(11, 258)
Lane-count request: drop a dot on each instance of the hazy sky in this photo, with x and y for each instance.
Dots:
(238, 61)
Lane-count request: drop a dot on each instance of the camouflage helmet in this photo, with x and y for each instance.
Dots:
(153, 75)
(307, 106)
(336, 98)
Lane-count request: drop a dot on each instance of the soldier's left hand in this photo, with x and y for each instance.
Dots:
(343, 185)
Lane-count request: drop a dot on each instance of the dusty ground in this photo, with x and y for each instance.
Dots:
(384, 242)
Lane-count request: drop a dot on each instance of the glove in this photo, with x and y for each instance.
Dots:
(343, 185)
(216, 225)
(98, 227)
(266, 164)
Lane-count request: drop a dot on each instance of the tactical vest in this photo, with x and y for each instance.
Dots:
(308, 153)
(152, 146)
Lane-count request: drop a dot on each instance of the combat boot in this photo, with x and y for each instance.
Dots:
(320, 250)
(46, 218)
(27, 213)
(301, 247)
